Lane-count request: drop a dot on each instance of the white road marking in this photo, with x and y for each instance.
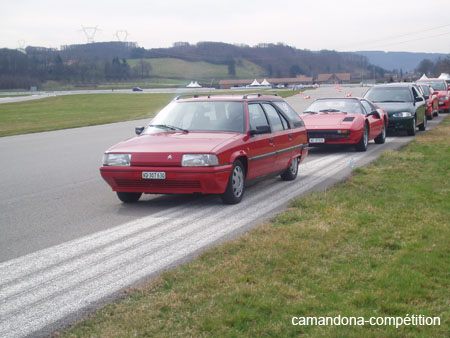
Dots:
(43, 287)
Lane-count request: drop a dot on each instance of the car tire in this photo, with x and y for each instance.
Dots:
(129, 197)
(412, 131)
(430, 117)
(423, 126)
(436, 113)
(380, 139)
(291, 172)
(236, 184)
(364, 141)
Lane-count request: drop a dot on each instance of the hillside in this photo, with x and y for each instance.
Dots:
(199, 70)
(404, 61)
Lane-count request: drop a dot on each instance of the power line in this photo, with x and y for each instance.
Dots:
(398, 36)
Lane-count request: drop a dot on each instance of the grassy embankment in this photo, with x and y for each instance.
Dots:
(70, 111)
(376, 245)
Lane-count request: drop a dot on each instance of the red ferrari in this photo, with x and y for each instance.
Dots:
(432, 100)
(345, 121)
(208, 145)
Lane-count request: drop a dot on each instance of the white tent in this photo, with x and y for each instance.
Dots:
(424, 77)
(193, 85)
(255, 83)
(265, 83)
(445, 76)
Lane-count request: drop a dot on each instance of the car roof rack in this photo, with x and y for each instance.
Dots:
(258, 94)
(185, 95)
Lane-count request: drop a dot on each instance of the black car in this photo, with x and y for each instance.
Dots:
(403, 102)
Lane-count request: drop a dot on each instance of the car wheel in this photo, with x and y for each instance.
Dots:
(236, 184)
(412, 131)
(430, 117)
(423, 126)
(436, 113)
(364, 142)
(380, 139)
(291, 172)
(129, 197)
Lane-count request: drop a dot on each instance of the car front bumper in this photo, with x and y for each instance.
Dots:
(179, 180)
(400, 123)
(330, 137)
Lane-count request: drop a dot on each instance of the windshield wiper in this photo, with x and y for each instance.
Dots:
(331, 111)
(168, 126)
(310, 112)
(390, 101)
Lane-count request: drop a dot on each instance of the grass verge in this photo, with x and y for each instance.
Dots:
(70, 111)
(376, 245)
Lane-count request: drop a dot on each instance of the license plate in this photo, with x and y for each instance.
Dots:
(316, 140)
(441, 103)
(153, 175)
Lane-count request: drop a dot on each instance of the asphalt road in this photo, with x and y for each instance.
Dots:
(68, 244)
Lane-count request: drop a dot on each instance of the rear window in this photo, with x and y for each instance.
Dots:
(289, 112)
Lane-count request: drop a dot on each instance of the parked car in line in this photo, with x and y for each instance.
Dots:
(431, 100)
(137, 89)
(441, 90)
(208, 145)
(352, 121)
(404, 104)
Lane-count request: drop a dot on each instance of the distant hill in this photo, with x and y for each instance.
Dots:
(405, 61)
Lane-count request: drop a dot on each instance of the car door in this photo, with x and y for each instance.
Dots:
(283, 137)
(420, 106)
(260, 147)
(375, 122)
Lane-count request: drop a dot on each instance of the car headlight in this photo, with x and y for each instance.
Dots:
(443, 98)
(402, 114)
(199, 160)
(116, 159)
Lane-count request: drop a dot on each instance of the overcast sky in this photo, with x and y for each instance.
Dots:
(347, 25)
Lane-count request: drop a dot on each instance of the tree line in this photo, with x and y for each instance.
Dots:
(434, 68)
(109, 61)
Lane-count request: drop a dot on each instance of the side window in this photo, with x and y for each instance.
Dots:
(274, 118)
(415, 93)
(256, 116)
(290, 113)
(367, 107)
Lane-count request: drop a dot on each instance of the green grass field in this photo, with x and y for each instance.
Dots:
(70, 111)
(177, 68)
(376, 245)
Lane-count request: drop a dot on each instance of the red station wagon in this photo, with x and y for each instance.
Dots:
(208, 145)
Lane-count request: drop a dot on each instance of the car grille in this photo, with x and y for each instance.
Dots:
(326, 134)
(132, 183)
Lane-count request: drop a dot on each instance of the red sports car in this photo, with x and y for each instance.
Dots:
(441, 90)
(209, 145)
(431, 99)
(345, 121)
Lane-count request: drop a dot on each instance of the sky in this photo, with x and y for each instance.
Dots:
(346, 25)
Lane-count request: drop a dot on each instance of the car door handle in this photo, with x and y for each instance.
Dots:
(291, 136)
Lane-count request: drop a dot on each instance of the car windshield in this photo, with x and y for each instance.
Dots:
(349, 106)
(218, 116)
(389, 94)
(437, 85)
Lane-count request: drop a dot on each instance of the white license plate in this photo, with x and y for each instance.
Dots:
(441, 103)
(316, 140)
(153, 175)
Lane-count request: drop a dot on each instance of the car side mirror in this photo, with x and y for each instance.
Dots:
(426, 97)
(435, 92)
(419, 99)
(139, 130)
(374, 113)
(265, 129)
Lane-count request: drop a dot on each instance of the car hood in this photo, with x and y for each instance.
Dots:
(396, 107)
(330, 120)
(167, 149)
